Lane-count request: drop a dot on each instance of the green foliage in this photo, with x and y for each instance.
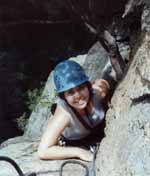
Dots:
(34, 97)
(35, 101)
(22, 121)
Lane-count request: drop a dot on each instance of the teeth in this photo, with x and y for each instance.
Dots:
(82, 102)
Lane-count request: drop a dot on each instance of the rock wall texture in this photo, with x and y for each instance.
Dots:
(125, 150)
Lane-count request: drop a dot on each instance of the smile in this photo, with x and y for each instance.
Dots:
(81, 102)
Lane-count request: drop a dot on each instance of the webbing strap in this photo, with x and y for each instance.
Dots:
(94, 149)
(84, 123)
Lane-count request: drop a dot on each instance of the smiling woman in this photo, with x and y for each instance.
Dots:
(79, 115)
(77, 97)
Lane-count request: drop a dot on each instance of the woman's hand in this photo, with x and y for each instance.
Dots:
(101, 86)
(85, 155)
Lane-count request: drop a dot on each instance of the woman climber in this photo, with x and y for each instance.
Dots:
(80, 109)
(78, 120)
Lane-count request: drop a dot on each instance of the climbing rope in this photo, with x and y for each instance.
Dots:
(88, 171)
(15, 165)
(74, 162)
(94, 149)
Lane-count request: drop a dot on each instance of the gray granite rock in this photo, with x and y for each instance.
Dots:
(125, 150)
(24, 153)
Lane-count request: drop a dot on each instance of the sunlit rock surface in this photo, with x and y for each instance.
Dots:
(125, 150)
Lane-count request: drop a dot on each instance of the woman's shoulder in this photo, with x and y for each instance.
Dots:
(60, 116)
(61, 111)
(59, 105)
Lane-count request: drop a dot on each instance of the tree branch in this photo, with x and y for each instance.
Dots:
(7, 24)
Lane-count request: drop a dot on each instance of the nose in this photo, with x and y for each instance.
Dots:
(77, 95)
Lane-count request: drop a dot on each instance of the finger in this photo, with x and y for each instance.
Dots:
(103, 82)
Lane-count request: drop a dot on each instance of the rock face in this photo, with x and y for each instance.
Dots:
(25, 157)
(126, 148)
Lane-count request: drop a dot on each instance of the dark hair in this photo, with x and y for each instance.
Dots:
(53, 108)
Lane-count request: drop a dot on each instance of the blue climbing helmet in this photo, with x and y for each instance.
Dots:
(68, 74)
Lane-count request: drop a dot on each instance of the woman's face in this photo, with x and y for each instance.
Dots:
(77, 97)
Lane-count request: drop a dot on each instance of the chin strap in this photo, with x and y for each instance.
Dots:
(15, 165)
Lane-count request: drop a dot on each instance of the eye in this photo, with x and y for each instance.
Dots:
(69, 92)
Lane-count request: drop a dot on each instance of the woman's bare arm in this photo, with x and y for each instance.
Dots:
(48, 148)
